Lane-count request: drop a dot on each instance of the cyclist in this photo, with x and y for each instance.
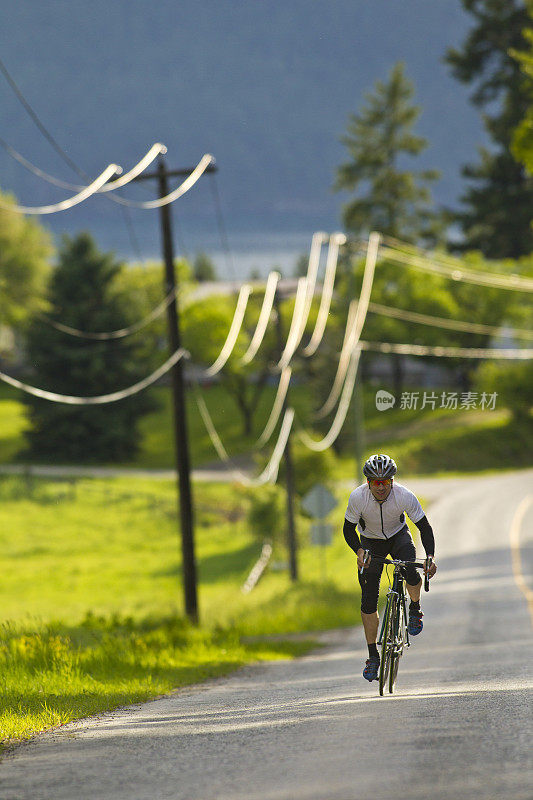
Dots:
(379, 507)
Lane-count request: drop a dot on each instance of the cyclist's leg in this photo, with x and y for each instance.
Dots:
(405, 550)
(369, 581)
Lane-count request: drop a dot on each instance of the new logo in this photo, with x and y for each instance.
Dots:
(384, 400)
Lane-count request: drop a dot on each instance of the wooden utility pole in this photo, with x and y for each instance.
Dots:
(289, 470)
(178, 392)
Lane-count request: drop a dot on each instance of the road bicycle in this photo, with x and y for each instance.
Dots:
(394, 636)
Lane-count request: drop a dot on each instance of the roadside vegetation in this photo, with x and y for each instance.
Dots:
(91, 595)
(425, 441)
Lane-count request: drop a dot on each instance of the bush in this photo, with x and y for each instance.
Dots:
(266, 515)
(513, 384)
(310, 467)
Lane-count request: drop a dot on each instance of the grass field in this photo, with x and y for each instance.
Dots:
(91, 595)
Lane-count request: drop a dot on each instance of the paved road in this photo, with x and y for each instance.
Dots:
(459, 725)
(216, 473)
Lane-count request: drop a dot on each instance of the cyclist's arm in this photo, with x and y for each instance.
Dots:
(426, 534)
(350, 534)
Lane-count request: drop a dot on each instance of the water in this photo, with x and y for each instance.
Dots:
(249, 253)
(260, 253)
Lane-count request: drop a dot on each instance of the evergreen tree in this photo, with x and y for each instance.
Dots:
(522, 145)
(497, 214)
(81, 295)
(389, 199)
(204, 269)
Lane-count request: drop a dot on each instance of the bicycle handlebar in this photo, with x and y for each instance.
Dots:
(426, 575)
(398, 563)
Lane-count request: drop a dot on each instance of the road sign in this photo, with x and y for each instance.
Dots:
(319, 502)
(321, 533)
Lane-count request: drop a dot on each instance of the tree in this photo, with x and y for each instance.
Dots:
(301, 266)
(204, 269)
(392, 200)
(389, 199)
(25, 250)
(497, 214)
(522, 144)
(81, 295)
(205, 326)
(404, 287)
(143, 286)
(513, 383)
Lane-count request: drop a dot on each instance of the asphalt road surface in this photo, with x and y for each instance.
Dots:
(458, 725)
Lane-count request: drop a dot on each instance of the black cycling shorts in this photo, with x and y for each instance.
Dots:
(399, 546)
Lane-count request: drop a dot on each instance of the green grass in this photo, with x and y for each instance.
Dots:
(439, 442)
(59, 673)
(112, 546)
(92, 598)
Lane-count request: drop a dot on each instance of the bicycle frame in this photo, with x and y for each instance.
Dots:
(394, 635)
(398, 590)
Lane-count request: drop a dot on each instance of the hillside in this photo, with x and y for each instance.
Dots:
(267, 87)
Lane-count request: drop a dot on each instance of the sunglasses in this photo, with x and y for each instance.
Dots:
(384, 482)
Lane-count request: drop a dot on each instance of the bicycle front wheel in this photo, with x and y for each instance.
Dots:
(387, 643)
(398, 644)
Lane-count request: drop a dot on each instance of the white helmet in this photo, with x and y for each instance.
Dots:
(379, 466)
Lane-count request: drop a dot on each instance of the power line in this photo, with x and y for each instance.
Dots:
(449, 352)
(87, 191)
(117, 334)
(441, 322)
(234, 331)
(66, 158)
(223, 233)
(34, 169)
(303, 301)
(342, 409)
(277, 407)
(351, 340)
(270, 473)
(195, 174)
(335, 241)
(264, 317)
(296, 324)
(296, 332)
(111, 169)
(45, 132)
(155, 150)
(319, 238)
(102, 399)
(437, 256)
(459, 273)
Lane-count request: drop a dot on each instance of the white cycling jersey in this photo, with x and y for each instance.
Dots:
(382, 520)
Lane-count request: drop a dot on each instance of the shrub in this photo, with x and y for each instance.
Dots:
(266, 515)
(513, 383)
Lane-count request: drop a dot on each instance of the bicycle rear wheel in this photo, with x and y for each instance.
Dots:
(387, 642)
(397, 648)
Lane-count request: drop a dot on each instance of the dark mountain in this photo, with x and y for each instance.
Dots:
(265, 86)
